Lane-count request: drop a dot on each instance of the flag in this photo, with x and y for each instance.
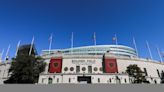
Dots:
(115, 39)
(32, 43)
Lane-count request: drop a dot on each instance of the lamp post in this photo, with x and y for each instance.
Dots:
(62, 78)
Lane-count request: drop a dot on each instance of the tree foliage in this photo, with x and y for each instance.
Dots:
(25, 68)
(136, 73)
(162, 78)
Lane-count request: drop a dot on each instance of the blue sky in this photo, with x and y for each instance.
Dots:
(21, 19)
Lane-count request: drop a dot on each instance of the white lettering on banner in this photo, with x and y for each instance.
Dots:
(83, 62)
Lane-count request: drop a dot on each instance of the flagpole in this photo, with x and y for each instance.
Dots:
(116, 42)
(116, 39)
(7, 52)
(150, 53)
(50, 45)
(159, 53)
(32, 43)
(72, 42)
(17, 48)
(95, 43)
(95, 39)
(135, 45)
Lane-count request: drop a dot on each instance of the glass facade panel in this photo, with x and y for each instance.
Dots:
(77, 69)
(89, 69)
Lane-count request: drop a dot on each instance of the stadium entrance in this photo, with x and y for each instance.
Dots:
(84, 79)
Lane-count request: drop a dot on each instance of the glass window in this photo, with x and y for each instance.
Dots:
(71, 69)
(83, 69)
(89, 69)
(66, 69)
(155, 81)
(101, 69)
(77, 69)
(57, 80)
(125, 81)
(98, 80)
(69, 80)
(43, 80)
(95, 69)
(110, 80)
(50, 80)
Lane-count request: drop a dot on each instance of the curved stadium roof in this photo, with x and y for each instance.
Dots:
(120, 50)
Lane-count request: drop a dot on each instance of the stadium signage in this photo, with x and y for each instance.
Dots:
(83, 62)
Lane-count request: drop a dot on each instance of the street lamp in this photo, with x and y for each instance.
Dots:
(62, 78)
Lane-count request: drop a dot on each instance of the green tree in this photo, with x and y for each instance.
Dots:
(136, 73)
(162, 78)
(25, 68)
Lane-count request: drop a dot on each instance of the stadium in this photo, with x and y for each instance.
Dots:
(104, 64)
(98, 64)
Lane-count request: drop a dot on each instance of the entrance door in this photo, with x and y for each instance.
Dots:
(84, 79)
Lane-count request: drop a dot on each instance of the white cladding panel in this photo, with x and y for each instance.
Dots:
(47, 66)
(4, 68)
(83, 63)
(151, 67)
(73, 79)
(122, 64)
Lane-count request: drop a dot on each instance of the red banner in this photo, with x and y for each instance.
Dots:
(55, 65)
(110, 65)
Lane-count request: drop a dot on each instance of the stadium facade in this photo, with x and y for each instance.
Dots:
(104, 64)
(96, 64)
